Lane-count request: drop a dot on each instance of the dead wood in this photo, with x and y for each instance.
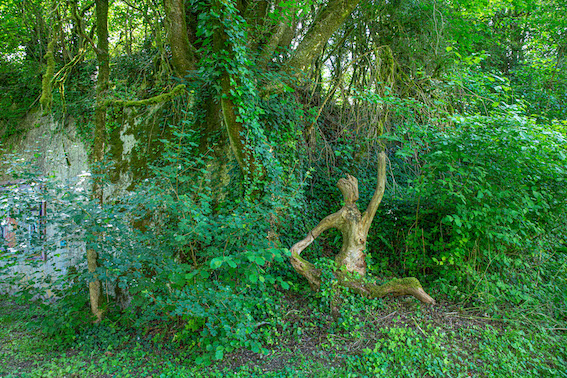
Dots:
(351, 260)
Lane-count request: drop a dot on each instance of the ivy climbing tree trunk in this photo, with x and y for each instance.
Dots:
(185, 57)
(95, 290)
(236, 130)
(351, 260)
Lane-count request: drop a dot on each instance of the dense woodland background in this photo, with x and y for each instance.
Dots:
(245, 115)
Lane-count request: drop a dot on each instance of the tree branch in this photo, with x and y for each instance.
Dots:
(370, 212)
(350, 262)
(78, 21)
(330, 221)
(148, 101)
(395, 287)
(324, 26)
(279, 36)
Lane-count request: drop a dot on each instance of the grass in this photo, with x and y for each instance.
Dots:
(386, 338)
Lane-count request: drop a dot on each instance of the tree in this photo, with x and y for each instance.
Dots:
(225, 50)
(263, 30)
(236, 28)
(103, 57)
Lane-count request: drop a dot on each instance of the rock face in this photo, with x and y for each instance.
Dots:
(52, 147)
(48, 149)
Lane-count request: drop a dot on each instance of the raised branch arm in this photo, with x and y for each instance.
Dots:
(304, 267)
(330, 221)
(370, 212)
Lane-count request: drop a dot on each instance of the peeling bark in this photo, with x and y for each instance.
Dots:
(351, 259)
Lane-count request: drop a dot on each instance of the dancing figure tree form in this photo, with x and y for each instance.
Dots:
(351, 260)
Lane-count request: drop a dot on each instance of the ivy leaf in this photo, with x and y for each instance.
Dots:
(253, 277)
(260, 260)
(457, 220)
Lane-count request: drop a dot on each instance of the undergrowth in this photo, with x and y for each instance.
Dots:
(386, 338)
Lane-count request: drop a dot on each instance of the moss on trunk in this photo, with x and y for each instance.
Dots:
(103, 58)
(164, 97)
(182, 52)
(46, 82)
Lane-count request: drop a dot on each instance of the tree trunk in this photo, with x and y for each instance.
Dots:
(351, 260)
(182, 52)
(185, 57)
(103, 58)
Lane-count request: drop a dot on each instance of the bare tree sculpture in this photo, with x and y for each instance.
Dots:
(351, 258)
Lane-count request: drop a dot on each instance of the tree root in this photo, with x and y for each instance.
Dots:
(396, 287)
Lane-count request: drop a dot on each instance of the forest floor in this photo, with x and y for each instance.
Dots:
(399, 338)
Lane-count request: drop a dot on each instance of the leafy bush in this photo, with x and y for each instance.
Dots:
(198, 257)
(499, 183)
(176, 258)
(543, 85)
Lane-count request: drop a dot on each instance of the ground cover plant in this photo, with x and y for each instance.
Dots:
(392, 338)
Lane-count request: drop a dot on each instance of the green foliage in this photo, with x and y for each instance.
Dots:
(481, 90)
(543, 84)
(410, 344)
(208, 270)
(22, 30)
(226, 251)
(497, 186)
(232, 69)
(502, 176)
(63, 321)
(20, 84)
(416, 352)
(195, 255)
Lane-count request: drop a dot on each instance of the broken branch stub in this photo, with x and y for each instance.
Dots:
(354, 227)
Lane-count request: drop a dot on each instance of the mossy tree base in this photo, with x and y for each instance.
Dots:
(351, 260)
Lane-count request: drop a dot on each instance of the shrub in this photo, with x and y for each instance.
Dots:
(500, 183)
